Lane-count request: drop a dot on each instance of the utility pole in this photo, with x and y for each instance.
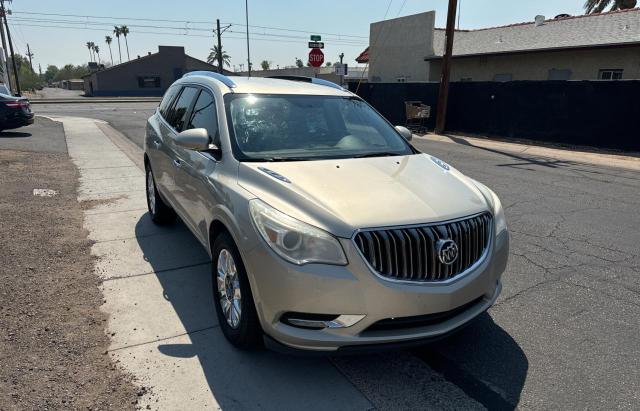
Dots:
(443, 95)
(7, 72)
(30, 55)
(219, 46)
(246, 11)
(13, 60)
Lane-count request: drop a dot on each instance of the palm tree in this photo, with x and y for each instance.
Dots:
(598, 6)
(97, 50)
(89, 47)
(124, 30)
(117, 32)
(213, 57)
(108, 40)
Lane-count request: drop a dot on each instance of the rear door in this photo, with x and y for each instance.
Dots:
(156, 148)
(169, 153)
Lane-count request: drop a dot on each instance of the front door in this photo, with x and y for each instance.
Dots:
(198, 171)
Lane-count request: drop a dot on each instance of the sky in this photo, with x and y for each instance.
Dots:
(279, 29)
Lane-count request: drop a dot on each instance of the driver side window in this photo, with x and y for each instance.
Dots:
(205, 116)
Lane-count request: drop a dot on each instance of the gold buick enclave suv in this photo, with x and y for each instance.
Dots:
(327, 229)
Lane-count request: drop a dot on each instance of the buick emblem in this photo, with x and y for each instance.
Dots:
(447, 251)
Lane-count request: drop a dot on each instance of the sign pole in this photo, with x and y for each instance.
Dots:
(443, 94)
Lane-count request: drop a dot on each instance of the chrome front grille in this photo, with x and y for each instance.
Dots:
(411, 253)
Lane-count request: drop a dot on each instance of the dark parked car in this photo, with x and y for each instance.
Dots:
(14, 112)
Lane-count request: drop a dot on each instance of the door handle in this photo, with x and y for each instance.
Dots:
(177, 163)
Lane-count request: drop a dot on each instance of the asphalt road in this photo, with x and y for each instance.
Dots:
(43, 135)
(128, 118)
(564, 334)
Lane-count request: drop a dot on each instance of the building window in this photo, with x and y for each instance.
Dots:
(503, 77)
(610, 74)
(466, 79)
(556, 74)
(149, 82)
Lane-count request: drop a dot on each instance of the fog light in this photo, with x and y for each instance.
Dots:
(319, 321)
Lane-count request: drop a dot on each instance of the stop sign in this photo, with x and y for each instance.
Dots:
(316, 57)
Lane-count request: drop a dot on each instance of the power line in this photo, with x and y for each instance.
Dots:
(211, 23)
(173, 34)
(372, 45)
(84, 24)
(300, 31)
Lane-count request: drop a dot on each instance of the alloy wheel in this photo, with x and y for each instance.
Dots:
(151, 192)
(229, 288)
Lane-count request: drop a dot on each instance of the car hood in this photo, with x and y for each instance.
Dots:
(343, 195)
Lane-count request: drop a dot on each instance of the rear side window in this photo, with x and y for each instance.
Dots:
(178, 116)
(205, 116)
(167, 100)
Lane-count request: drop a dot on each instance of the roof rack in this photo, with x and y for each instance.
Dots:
(220, 77)
(312, 80)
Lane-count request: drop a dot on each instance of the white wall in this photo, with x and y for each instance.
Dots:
(398, 48)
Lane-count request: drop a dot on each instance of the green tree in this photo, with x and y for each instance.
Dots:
(265, 64)
(117, 32)
(50, 73)
(108, 40)
(213, 57)
(28, 79)
(124, 30)
(299, 63)
(328, 64)
(69, 71)
(598, 6)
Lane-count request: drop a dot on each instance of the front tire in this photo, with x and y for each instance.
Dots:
(159, 211)
(232, 296)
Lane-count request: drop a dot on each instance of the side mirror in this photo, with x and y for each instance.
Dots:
(404, 132)
(194, 139)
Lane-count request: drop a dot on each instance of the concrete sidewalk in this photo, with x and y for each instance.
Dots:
(600, 159)
(163, 328)
(94, 100)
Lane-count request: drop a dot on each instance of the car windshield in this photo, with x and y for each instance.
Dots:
(302, 127)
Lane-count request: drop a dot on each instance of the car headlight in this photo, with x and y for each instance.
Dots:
(500, 220)
(293, 240)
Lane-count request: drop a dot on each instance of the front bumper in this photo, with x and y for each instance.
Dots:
(280, 287)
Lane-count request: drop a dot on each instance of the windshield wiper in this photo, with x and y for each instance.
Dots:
(376, 154)
(279, 159)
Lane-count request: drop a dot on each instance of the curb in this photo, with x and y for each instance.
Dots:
(600, 159)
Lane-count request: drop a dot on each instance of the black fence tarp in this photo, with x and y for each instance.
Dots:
(602, 114)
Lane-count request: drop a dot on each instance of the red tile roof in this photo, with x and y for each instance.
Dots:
(364, 56)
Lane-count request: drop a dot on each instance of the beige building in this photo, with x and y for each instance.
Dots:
(602, 46)
(148, 75)
(398, 47)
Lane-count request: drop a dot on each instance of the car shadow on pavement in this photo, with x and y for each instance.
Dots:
(525, 160)
(482, 360)
(237, 379)
(14, 134)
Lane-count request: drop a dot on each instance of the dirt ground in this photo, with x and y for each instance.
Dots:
(52, 340)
